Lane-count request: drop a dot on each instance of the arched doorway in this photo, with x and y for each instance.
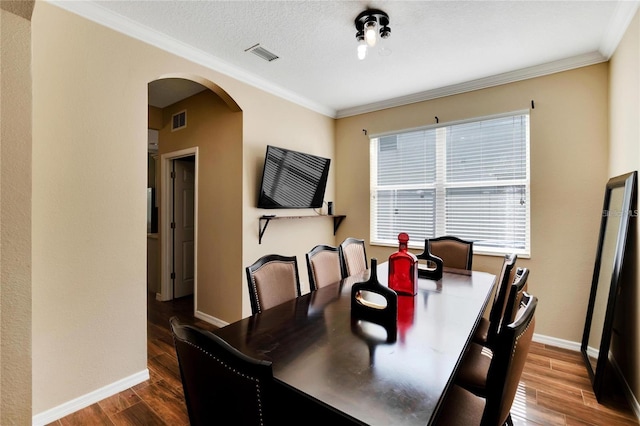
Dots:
(185, 110)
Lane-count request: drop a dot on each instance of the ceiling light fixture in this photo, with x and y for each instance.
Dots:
(369, 24)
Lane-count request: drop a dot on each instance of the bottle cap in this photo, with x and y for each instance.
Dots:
(403, 237)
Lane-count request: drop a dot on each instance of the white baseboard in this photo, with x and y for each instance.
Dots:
(211, 320)
(84, 401)
(558, 343)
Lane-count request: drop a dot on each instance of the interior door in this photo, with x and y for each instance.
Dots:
(183, 231)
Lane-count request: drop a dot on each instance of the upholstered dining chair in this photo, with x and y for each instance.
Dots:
(273, 279)
(488, 327)
(519, 286)
(354, 256)
(455, 252)
(220, 382)
(474, 368)
(324, 265)
(462, 407)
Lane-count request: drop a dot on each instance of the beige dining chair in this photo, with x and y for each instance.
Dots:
(324, 265)
(273, 279)
(455, 252)
(462, 407)
(354, 256)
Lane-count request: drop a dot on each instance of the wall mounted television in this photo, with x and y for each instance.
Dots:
(292, 180)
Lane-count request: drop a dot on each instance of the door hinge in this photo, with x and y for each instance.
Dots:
(173, 225)
(173, 275)
(173, 175)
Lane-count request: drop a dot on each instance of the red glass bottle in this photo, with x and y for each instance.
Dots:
(403, 269)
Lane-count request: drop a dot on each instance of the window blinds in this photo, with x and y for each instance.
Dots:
(467, 179)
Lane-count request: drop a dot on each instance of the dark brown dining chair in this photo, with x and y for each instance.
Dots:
(354, 256)
(474, 368)
(324, 265)
(519, 286)
(273, 279)
(488, 327)
(462, 407)
(220, 382)
(455, 252)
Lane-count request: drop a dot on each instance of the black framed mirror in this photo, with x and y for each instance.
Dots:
(616, 213)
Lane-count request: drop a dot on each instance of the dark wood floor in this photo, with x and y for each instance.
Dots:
(554, 390)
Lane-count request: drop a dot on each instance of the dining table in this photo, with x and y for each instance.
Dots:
(332, 366)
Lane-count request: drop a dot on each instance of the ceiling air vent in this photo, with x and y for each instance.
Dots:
(179, 120)
(262, 52)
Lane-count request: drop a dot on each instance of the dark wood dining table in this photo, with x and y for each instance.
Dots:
(331, 366)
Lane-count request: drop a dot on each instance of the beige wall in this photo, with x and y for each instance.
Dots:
(217, 132)
(89, 182)
(624, 157)
(568, 172)
(294, 128)
(15, 212)
(155, 118)
(89, 177)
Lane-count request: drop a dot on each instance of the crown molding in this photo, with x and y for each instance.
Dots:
(622, 16)
(107, 18)
(481, 83)
(624, 13)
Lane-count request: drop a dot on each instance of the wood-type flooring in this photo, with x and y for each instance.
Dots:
(554, 390)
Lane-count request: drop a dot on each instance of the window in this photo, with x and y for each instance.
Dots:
(469, 179)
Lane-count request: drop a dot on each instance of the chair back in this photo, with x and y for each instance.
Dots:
(509, 356)
(220, 382)
(516, 291)
(354, 257)
(273, 279)
(455, 252)
(507, 273)
(324, 265)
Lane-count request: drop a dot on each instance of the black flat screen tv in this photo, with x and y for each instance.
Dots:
(292, 180)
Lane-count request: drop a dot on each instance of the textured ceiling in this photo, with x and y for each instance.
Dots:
(433, 44)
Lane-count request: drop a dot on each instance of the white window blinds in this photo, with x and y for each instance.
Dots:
(466, 179)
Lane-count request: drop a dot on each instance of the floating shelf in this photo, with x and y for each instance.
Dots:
(264, 221)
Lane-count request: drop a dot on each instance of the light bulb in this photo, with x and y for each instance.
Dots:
(362, 50)
(370, 33)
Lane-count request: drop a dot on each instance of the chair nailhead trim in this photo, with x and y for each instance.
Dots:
(513, 352)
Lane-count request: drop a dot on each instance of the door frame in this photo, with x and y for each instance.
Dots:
(166, 236)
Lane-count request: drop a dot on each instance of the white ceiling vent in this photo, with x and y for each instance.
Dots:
(179, 120)
(262, 52)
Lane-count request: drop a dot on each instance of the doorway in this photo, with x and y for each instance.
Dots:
(163, 93)
(183, 177)
(178, 239)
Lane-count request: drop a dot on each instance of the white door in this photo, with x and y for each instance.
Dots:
(183, 230)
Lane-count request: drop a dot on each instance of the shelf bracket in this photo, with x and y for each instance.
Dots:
(337, 220)
(261, 228)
